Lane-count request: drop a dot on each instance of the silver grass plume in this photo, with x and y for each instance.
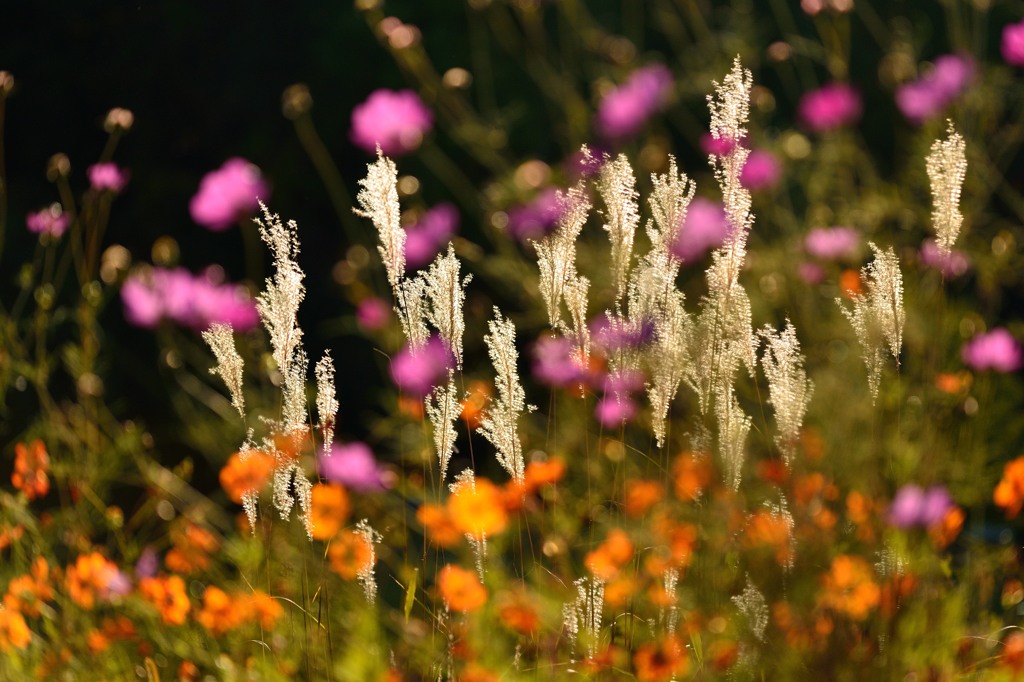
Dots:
(445, 293)
(365, 575)
(576, 292)
(294, 390)
(617, 187)
(733, 427)
(781, 512)
(221, 340)
(326, 400)
(789, 389)
(250, 497)
(947, 168)
(378, 201)
(670, 198)
(500, 423)
(585, 613)
(752, 604)
(878, 316)
(412, 310)
(443, 410)
(669, 360)
(670, 620)
(556, 253)
(467, 479)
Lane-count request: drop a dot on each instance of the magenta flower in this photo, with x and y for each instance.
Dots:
(231, 192)
(916, 507)
(107, 177)
(354, 466)
(51, 221)
(833, 106)
(189, 300)
(952, 264)
(396, 120)
(705, 228)
(535, 219)
(832, 243)
(579, 165)
(372, 313)
(614, 337)
(148, 564)
(1012, 45)
(716, 146)
(556, 363)
(997, 350)
(613, 411)
(761, 171)
(430, 234)
(417, 370)
(812, 273)
(931, 94)
(624, 110)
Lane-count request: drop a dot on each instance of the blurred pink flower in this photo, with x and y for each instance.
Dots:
(832, 243)
(430, 235)
(624, 110)
(761, 171)
(578, 165)
(396, 120)
(372, 313)
(705, 228)
(716, 146)
(613, 411)
(555, 363)
(417, 371)
(231, 192)
(813, 7)
(832, 106)
(1012, 45)
(953, 264)
(50, 221)
(928, 96)
(614, 337)
(812, 273)
(997, 350)
(914, 506)
(536, 218)
(354, 466)
(107, 177)
(193, 301)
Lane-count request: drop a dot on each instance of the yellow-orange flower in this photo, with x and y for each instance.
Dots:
(96, 641)
(849, 587)
(661, 661)
(641, 495)
(220, 611)
(692, 473)
(472, 406)
(27, 592)
(543, 472)
(31, 465)
(349, 553)
(168, 595)
(460, 589)
(766, 529)
(91, 576)
(478, 509)
(607, 560)
(14, 630)
(265, 609)
(437, 522)
(1009, 494)
(193, 545)
(244, 473)
(329, 511)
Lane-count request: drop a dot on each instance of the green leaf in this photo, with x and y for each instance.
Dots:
(410, 594)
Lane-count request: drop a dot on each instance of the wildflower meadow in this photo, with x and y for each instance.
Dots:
(661, 341)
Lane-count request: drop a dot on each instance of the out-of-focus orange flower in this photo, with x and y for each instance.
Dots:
(478, 509)
(349, 554)
(1013, 652)
(168, 595)
(246, 472)
(264, 609)
(894, 591)
(91, 576)
(437, 522)
(1009, 493)
(188, 672)
(14, 632)
(948, 529)
(766, 529)
(692, 473)
(850, 284)
(10, 534)
(411, 407)
(474, 403)
(849, 587)
(120, 627)
(810, 486)
(221, 612)
(858, 507)
(476, 673)
(193, 545)
(660, 661)
(641, 495)
(812, 444)
(676, 542)
(96, 641)
(329, 511)
(723, 654)
(293, 444)
(31, 466)
(620, 590)
(461, 589)
(607, 560)
(953, 383)
(27, 592)
(773, 470)
(519, 615)
(543, 472)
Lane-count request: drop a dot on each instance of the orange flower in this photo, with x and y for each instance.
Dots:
(659, 661)
(330, 510)
(244, 473)
(168, 595)
(692, 473)
(676, 544)
(849, 587)
(945, 531)
(460, 589)
(27, 592)
(193, 545)
(519, 615)
(473, 404)
(620, 590)
(1013, 652)
(31, 465)
(437, 522)
(265, 609)
(10, 534)
(953, 384)
(478, 509)
(543, 472)
(220, 611)
(96, 641)
(188, 672)
(766, 529)
(850, 284)
(607, 560)
(1009, 494)
(91, 576)
(641, 495)
(349, 554)
(14, 630)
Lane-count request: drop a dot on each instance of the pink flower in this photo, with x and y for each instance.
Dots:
(832, 106)
(535, 219)
(997, 350)
(1012, 45)
(555, 363)
(914, 506)
(705, 228)
(611, 338)
(812, 273)
(430, 234)
(49, 221)
(372, 313)
(953, 264)
(832, 243)
(417, 371)
(107, 177)
(354, 466)
(396, 120)
(761, 171)
(231, 192)
(716, 146)
(613, 411)
(813, 7)
(931, 94)
(192, 301)
(625, 109)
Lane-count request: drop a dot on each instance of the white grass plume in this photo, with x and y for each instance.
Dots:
(445, 293)
(617, 187)
(556, 253)
(326, 400)
(230, 365)
(789, 389)
(947, 168)
(443, 409)
(378, 200)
